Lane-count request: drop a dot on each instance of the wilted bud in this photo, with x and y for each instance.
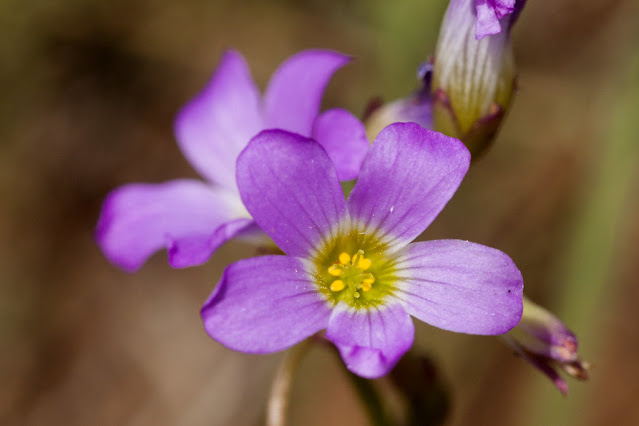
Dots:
(544, 341)
(473, 79)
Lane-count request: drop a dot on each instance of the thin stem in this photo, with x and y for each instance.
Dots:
(281, 387)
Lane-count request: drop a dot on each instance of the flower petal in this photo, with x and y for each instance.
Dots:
(138, 219)
(460, 286)
(265, 304)
(196, 250)
(343, 137)
(371, 341)
(487, 19)
(407, 178)
(504, 7)
(292, 99)
(289, 185)
(214, 127)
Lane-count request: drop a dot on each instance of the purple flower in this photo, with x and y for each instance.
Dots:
(192, 218)
(350, 266)
(544, 341)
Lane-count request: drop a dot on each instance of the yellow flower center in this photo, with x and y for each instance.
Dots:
(354, 267)
(351, 273)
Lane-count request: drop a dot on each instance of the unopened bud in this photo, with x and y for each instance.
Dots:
(473, 79)
(544, 341)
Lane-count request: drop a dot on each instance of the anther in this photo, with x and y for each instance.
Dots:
(364, 264)
(344, 258)
(335, 270)
(367, 284)
(337, 285)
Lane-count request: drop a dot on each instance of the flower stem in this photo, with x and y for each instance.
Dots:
(281, 387)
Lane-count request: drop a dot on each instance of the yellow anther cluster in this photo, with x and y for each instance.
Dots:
(351, 269)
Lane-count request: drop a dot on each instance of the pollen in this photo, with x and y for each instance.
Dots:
(367, 284)
(351, 273)
(364, 263)
(354, 268)
(337, 285)
(335, 270)
(344, 258)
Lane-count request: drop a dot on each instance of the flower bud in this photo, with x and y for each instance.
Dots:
(474, 72)
(544, 341)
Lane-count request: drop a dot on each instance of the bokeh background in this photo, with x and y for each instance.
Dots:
(89, 91)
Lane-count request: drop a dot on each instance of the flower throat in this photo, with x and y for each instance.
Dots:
(355, 268)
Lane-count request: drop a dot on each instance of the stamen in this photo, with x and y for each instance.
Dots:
(335, 270)
(351, 273)
(364, 264)
(344, 258)
(337, 285)
(367, 284)
(357, 256)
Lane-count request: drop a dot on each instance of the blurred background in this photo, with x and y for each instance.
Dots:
(89, 93)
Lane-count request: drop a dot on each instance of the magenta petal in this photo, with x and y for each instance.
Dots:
(343, 137)
(371, 341)
(139, 219)
(292, 99)
(487, 19)
(295, 196)
(265, 304)
(407, 178)
(460, 286)
(504, 7)
(214, 127)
